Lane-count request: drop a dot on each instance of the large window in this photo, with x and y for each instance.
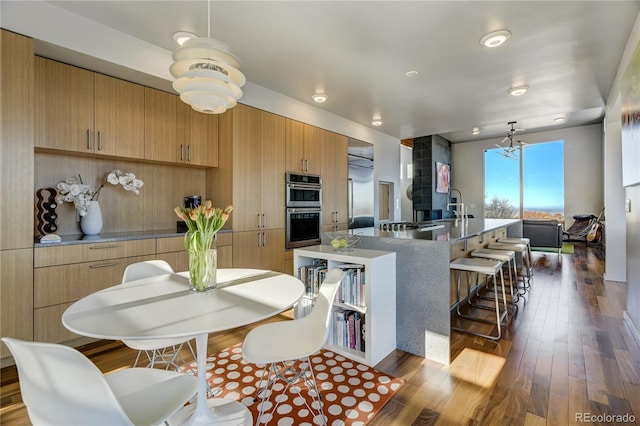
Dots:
(529, 187)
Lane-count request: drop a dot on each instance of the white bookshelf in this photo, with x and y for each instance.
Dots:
(379, 296)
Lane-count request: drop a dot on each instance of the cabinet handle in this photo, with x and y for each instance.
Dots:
(181, 152)
(259, 239)
(99, 140)
(189, 153)
(259, 220)
(306, 165)
(264, 239)
(88, 138)
(110, 246)
(103, 265)
(302, 164)
(264, 220)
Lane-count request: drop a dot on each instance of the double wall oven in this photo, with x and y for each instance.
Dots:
(304, 209)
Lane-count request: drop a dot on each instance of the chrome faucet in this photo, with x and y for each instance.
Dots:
(458, 205)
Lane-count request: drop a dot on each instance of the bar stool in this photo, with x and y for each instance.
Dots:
(489, 268)
(508, 258)
(520, 249)
(521, 240)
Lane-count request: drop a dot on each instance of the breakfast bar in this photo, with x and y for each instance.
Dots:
(424, 294)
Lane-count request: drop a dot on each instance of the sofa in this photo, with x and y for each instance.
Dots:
(543, 233)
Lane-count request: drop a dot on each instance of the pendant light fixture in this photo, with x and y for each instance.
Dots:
(207, 73)
(511, 151)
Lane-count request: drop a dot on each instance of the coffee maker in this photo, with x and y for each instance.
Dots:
(190, 201)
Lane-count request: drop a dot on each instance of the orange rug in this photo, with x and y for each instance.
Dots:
(352, 392)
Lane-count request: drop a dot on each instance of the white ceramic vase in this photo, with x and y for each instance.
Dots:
(91, 223)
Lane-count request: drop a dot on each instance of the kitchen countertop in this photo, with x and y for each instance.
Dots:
(441, 230)
(106, 237)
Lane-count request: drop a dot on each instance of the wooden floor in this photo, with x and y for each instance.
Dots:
(566, 354)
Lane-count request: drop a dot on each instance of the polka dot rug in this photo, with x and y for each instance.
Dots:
(352, 393)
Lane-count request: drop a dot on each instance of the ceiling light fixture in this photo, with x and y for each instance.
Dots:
(181, 36)
(376, 122)
(560, 119)
(475, 131)
(495, 38)
(511, 151)
(411, 73)
(207, 73)
(518, 91)
(319, 97)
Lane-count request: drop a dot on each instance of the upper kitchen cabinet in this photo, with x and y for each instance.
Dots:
(197, 136)
(335, 177)
(175, 133)
(303, 147)
(82, 111)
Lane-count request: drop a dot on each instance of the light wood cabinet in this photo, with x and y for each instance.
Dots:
(197, 135)
(258, 169)
(16, 303)
(17, 109)
(335, 176)
(160, 126)
(82, 111)
(64, 274)
(302, 147)
(259, 249)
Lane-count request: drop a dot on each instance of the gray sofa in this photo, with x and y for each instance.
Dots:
(543, 233)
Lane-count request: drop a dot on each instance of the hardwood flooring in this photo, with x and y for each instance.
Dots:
(566, 358)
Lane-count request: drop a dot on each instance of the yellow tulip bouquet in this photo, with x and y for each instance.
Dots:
(203, 222)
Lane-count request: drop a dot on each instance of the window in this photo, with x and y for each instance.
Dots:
(530, 187)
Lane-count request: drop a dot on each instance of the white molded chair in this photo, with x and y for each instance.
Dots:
(158, 351)
(60, 386)
(280, 344)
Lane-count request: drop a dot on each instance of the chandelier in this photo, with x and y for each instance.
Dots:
(207, 73)
(511, 151)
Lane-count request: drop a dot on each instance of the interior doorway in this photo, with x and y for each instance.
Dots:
(384, 200)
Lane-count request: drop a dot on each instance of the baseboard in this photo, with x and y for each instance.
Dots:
(632, 327)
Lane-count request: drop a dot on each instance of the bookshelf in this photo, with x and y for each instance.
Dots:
(363, 324)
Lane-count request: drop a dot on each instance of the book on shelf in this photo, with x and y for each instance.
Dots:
(352, 289)
(312, 276)
(348, 329)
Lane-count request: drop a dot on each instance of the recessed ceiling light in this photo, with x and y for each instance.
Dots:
(560, 119)
(518, 91)
(319, 97)
(475, 131)
(411, 73)
(495, 38)
(181, 36)
(376, 122)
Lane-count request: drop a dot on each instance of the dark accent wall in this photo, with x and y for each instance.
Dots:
(427, 203)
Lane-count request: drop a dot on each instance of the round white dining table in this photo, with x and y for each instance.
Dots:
(164, 307)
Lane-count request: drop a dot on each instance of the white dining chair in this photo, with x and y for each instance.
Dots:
(158, 351)
(279, 344)
(60, 386)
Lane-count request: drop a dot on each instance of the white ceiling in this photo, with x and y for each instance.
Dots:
(358, 52)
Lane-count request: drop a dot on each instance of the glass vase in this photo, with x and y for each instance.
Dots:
(203, 260)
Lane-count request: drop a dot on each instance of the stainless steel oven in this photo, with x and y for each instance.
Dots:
(303, 226)
(303, 190)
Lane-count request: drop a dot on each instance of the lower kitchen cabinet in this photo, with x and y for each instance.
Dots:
(16, 303)
(259, 249)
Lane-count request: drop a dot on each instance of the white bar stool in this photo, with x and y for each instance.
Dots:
(520, 249)
(520, 240)
(508, 258)
(489, 268)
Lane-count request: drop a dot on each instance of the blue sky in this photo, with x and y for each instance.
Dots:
(543, 175)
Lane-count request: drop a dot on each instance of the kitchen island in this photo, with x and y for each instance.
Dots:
(424, 295)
